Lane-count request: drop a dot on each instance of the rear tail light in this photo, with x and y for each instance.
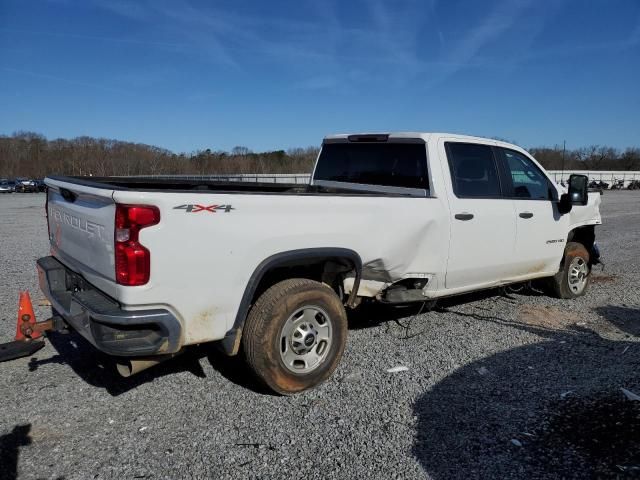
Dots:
(133, 261)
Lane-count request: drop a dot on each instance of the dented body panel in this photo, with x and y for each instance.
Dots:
(588, 215)
(208, 244)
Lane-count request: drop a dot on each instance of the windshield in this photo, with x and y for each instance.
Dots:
(386, 164)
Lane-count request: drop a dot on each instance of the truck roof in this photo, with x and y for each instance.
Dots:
(424, 135)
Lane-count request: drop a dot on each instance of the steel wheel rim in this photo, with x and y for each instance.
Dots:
(305, 339)
(577, 276)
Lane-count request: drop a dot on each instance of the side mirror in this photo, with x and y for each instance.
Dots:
(578, 189)
(578, 193)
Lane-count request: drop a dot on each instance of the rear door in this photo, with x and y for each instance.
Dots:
(483, 225)
(540, 229)
(81, 226)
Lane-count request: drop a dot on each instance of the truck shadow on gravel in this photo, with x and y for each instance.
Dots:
(99, 370)
(554, 409)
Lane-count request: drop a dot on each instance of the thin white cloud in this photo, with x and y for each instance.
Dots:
(383, 42)
(117, 40)
(136, 10)
(45, 76)
(585, 47)
(464, 52)
(324, 82)
(634, 38)
(388, 37)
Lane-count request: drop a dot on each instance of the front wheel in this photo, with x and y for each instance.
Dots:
(573, 278)
(295, 335)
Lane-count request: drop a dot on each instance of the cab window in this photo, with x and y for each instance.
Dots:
(473, 170)
(528, 181)
(386, 164)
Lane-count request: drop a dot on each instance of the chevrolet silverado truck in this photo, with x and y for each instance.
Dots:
(144, 267)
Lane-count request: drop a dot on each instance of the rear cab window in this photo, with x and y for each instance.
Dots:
(388, 165)
(474, 172)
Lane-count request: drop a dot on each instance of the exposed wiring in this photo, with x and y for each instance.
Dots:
(515, 288)
(407, 326)
(534, 289)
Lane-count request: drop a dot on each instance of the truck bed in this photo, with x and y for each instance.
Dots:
(178, 184)
(153, 184)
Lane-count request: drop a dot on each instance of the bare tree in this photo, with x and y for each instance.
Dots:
(630, 159)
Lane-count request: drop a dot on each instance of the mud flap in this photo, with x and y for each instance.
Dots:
(19, 349)
(594, 255)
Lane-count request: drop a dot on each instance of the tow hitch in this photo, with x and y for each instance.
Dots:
(29, 332)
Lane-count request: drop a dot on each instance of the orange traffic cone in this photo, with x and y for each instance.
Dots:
(26, 319)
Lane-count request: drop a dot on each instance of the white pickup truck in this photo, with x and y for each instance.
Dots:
(144, 267)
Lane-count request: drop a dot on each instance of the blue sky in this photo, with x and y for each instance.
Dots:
(189, 75)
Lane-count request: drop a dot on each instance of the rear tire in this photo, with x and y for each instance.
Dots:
(294, 335)
(573, 278)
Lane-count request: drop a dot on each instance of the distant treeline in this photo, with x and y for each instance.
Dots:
(595, 157)
(27, 154)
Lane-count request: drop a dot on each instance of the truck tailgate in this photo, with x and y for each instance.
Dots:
(81, 226)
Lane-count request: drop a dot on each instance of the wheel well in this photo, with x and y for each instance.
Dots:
(325, 270)
(326, 265)
(585, 235)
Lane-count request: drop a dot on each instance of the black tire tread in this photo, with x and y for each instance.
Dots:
(558, 282)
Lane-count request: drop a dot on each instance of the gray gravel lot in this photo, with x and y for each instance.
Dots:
(498, 386)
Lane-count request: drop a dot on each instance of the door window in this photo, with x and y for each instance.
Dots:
(473, 170)
(528, 181)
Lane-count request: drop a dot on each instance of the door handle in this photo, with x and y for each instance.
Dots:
(463, 216)
(526, 214)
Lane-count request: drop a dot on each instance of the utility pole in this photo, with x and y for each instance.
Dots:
(564, 148)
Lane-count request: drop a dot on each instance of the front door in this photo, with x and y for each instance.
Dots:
(540, 229)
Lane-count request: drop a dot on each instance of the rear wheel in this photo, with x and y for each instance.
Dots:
(573, 278)
(294, 335)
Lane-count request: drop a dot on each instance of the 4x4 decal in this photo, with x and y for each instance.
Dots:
(190, 208)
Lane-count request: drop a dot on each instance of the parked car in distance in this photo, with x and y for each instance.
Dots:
(40, 185)
(26, 185)
(7, 186)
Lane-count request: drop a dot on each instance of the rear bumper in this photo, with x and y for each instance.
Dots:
(102, 321)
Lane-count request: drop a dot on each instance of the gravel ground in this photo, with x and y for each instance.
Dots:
(510, 386)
